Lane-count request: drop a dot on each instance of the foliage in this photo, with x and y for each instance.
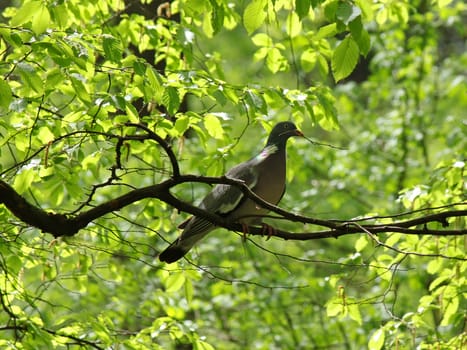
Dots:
(384, 81)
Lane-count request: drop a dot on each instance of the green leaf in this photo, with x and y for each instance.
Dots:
(275, 60)
(262, 39)
(140, 67)
(112, 49)
(354, 313)
(80, 88)
(60, 15)
(217, 17)
(360, 35)
(345, 58)
(131, 113)
(24, 180)
(437, 281)
(213, 126)
(382, 16)
(41, 20)
(327, 31)
(219, 95)
(26, 13)
(171, 100)
(302, 8)
(45, 135)
(14, 264)
(261, 54)
(401, 11)
(174, 282)
(11, 38)
(347, 12)
(449, 311)
(334, 307)
(393, 239)
(308, 60)
(202, 345)
(330, 10)
(323, 65)
(155, 82)
(293, 26)
(231, 94)
(5, 94)
(254, 15)
(182, 124)
(256, 101)
(189, 290)
(61, 53)
(361, 243)
(434, 266)
(377, 340)
(366, 8)
(30, 77)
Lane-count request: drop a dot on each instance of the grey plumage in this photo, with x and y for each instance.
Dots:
(264, 174)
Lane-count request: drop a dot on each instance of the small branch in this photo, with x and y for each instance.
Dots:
(76, 340)
(166, 146)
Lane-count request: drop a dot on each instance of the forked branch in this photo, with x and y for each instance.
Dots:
(65, 225)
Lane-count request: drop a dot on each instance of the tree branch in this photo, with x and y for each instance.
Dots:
(66, 225)
(166, 146)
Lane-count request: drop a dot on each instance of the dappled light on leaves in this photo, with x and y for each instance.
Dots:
(117, 118)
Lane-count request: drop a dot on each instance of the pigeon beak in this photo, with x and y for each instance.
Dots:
(299, 133)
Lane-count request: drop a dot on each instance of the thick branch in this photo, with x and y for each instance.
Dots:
(63, 225)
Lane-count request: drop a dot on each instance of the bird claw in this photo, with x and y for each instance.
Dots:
(270, 230)
(266, 229)
(245, 231)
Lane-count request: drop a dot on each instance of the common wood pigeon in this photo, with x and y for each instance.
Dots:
(264, 174)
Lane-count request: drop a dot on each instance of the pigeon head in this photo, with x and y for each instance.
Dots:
(281, 133)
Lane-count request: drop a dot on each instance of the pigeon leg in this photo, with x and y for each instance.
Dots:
(269, 229)
(245, 231)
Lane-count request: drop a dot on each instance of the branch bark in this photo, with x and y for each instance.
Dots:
(67, 225)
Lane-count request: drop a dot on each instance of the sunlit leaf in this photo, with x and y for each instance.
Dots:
(347, 12)
(361, 36)
(345, 58)
(45, 135)
(361, 243)
(80, 88)
(308, 60)
(30, 77)
(302, 8)
(5, 94)
(213, 126)
(112, 48)
(254, 15)
(24, 180)
(174, 282)
(327, 31)
(275, 60)
(171, 99)
(452, 305)
(354, 312)
(26, 12)
(217, 17)
(293, 25)
(376, 340)
(41, 19)
(261, 39)
(334, 307)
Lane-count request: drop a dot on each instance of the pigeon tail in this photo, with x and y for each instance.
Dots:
(173, 253)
